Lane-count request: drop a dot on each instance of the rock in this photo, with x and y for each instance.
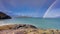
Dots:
(16, 26)
(24, 26)
(19, 32)
(4, 16)
(21, 29)
(28, 31)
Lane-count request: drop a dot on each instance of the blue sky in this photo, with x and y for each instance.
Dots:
(33, 8)
(53, 11)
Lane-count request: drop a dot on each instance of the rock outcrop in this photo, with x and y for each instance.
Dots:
(4, 16)
(16, 26)
(25, 29)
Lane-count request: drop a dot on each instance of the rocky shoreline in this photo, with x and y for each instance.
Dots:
(25, 29)
(16, 26)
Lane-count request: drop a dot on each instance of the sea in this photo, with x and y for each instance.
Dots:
(44, 23)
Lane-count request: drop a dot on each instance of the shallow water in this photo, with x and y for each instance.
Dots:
(53, 23)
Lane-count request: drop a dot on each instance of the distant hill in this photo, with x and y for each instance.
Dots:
(23, 17)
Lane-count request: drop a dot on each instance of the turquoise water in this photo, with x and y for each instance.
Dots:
(53, 23)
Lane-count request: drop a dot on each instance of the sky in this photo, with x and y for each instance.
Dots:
(53, 11)
(32, 8)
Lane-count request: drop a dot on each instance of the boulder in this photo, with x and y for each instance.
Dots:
(24, 26)
(16, 26)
